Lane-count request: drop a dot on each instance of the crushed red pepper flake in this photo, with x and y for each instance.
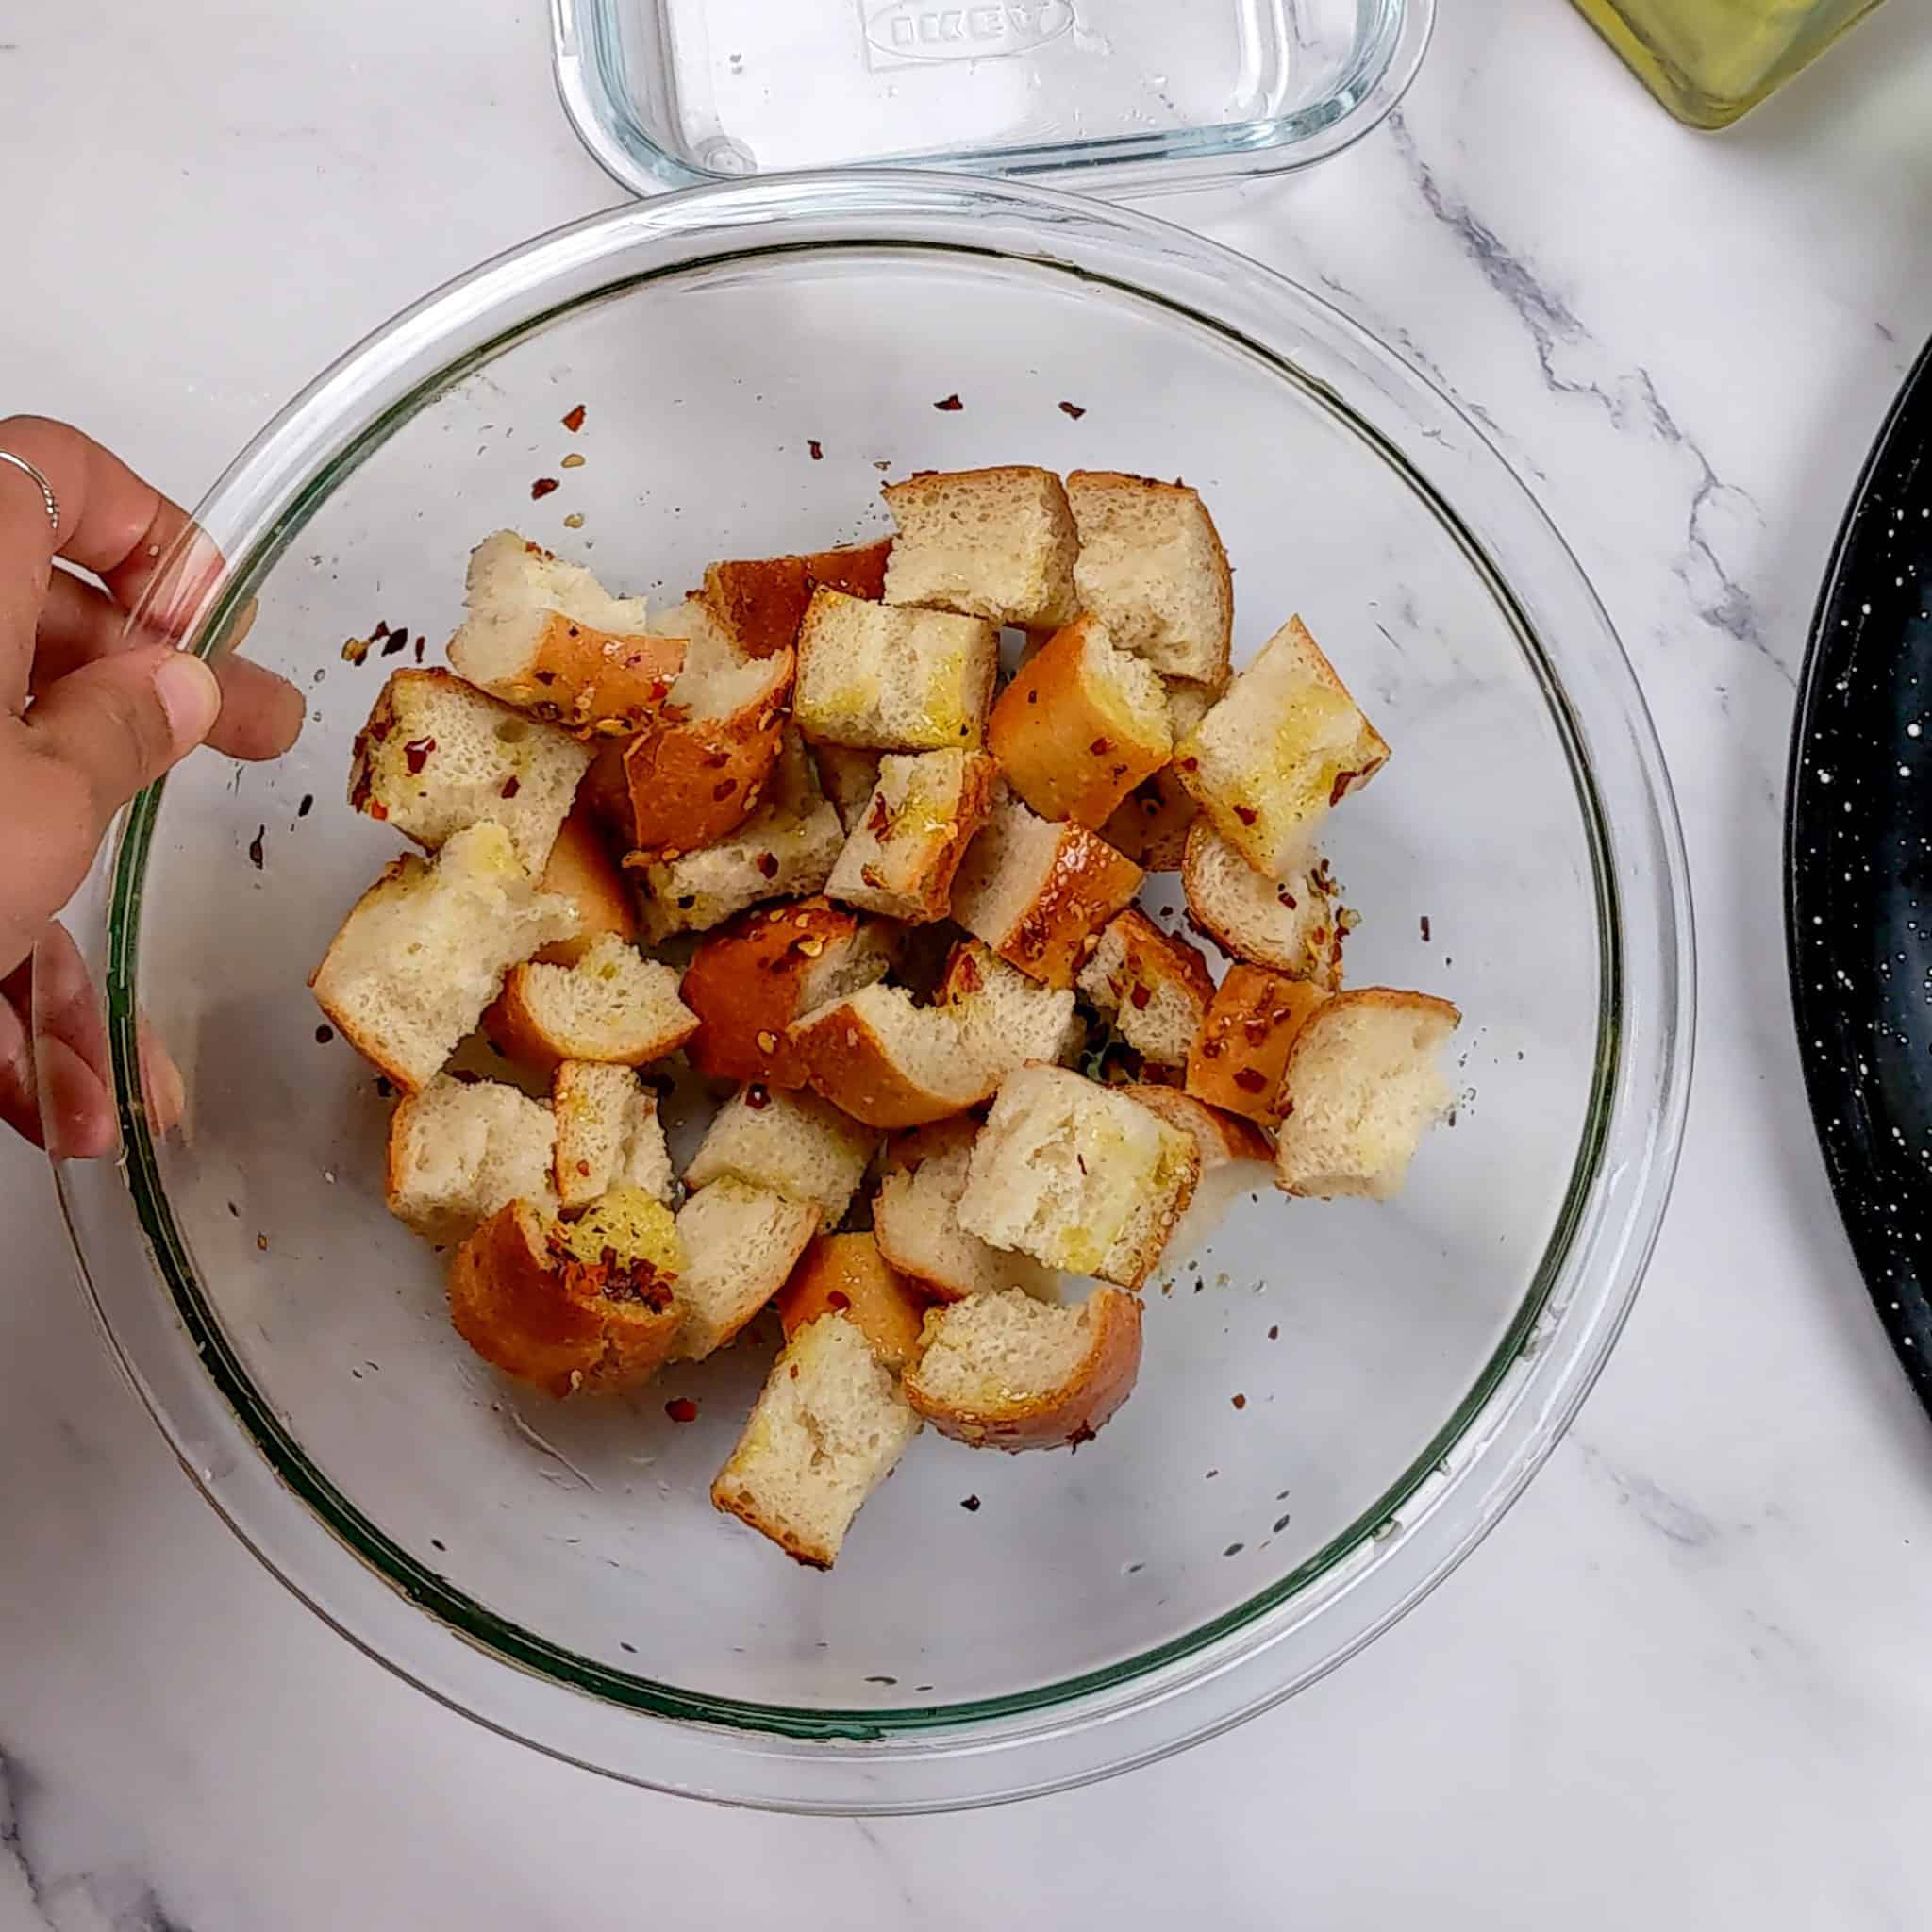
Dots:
(1249, 1079)
(574, 419)
(968, 1502)
(255, 855)
(817, 449)
(949, 404)
(543, 487)
(1247, 813)
(1240, 1401)
(1072, 410)
(757, 1098)
(396, 641)
(416, 753)
(511, 786)
(767, 865)
(324, 1035)
(681, 1408)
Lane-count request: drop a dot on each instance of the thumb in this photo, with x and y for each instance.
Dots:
(125, 718)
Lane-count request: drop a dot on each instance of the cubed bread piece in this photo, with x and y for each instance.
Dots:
(901, 857)
(462, 1149)
(426, 949)
(698, 768)
(761, 603)
(1006, 1017)
(749, 981)
(826, 1433)
(847, 775)
(1153, 985)
(916, 1219)
(1291, 924)
(545, 635)
(581, 869)
(993, 544)
(742, 1243)
(1236, 1159)
(1078, 1177)
(1284, 745)
(894, 679)
(1008, 1372)
(1153, 570)
(1150, 825)
(587, 1306)
(846, 1274)
(1037, 892)
(796, 1145)
(886, 1060)
(437, 755)
(1080, 725)
(1252, 1022)
(880, 1057)
(613, 1005)
(607, 1135)
(785, 850)
(1364, 1078)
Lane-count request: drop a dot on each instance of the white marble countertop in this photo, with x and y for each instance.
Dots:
(1685, 1679)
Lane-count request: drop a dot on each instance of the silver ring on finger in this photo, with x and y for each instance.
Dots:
(48, 500)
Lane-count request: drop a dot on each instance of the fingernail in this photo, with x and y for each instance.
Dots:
(188, 695)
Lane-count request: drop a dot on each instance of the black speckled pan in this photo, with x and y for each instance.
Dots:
(1858, 872)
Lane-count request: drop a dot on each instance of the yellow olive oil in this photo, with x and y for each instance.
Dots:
(1710, 60)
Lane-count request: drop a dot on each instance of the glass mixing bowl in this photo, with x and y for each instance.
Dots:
(1334, 1406)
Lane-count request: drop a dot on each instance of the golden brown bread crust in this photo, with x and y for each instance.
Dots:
(1223, 1136)
(1087, 884)
(1060, 750)
(563, 1326)
(1318, 958)
(761, 602)
(693, 780)
(1239, 1060)
(847, 1063)
(845, 1274)
(745, 983)
(581, 869)
(1057, 1418)
(593, 681)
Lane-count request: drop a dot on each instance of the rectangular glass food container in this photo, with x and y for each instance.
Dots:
(1111, 96)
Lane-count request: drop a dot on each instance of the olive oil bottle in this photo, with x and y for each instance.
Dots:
(1710, 60)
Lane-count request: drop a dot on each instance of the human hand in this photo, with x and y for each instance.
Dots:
(89, 714)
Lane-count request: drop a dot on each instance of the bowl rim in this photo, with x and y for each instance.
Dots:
(1049, 1736)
